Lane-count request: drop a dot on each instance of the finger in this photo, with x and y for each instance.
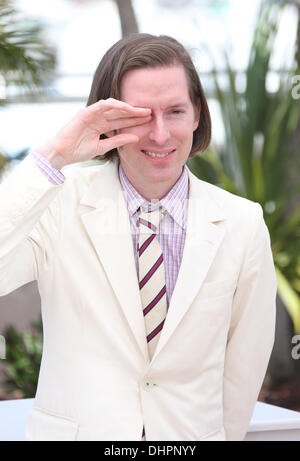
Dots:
(105, 145)
(114, 114)
(114, 104)
(127, 122)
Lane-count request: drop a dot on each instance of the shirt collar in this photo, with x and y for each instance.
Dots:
(175, 202)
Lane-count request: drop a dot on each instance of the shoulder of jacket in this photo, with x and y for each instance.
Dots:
(232, 203)
(86, 171)
(79, 177)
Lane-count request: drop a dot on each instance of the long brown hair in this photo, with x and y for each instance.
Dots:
(146, 50)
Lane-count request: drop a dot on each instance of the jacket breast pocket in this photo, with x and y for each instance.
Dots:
(45, 426)
(220, 288)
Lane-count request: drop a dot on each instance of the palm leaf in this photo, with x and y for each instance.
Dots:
(25, 57)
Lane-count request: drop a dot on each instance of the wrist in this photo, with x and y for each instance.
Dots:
(49, 151)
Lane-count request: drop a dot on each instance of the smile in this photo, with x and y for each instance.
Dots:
(154, 155)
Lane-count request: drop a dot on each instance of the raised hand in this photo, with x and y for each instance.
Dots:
(79, 141)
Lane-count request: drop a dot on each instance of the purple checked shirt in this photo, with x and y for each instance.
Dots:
(171, 231)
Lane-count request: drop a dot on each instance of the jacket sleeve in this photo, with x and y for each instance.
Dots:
(251, 333)
(29, 225)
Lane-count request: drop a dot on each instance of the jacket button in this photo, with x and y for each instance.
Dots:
(147, 384)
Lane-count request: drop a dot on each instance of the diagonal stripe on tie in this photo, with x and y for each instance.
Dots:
(146, 244)
(155, 331)
(148, 224)
(151, 271)
(155, 300)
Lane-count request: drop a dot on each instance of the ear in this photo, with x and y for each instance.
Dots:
(197, 111)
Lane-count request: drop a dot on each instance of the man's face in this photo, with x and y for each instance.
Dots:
(170, 131)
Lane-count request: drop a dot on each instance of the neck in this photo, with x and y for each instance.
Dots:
(153, 190)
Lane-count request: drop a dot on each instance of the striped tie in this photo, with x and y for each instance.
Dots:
(151, 277)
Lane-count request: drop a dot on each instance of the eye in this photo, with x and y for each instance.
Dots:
(177, 111)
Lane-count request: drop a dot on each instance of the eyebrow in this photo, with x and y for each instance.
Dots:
(177, 104)
(172, 105)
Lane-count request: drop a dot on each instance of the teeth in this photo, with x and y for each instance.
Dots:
(152, 154)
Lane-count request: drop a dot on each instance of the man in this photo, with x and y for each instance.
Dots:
(158, 289)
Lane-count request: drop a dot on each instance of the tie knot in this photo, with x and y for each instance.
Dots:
(149, 221)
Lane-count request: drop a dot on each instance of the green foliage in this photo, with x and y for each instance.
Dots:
(23, 357)
(26, 59)
(260, 159)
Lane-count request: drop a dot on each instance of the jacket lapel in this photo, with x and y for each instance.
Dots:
(106, 221)
(204, 234)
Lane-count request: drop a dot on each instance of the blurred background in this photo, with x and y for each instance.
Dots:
(248, 58)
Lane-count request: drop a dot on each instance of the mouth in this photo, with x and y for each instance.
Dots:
(157, 156)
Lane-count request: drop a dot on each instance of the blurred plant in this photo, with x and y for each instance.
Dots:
(259, 160)
(26, 59)
(23, 358)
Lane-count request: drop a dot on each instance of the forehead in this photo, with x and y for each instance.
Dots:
(146, 86)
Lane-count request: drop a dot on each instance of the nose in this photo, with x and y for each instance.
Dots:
(159, 130)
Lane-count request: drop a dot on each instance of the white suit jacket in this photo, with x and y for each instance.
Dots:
(96, 381)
